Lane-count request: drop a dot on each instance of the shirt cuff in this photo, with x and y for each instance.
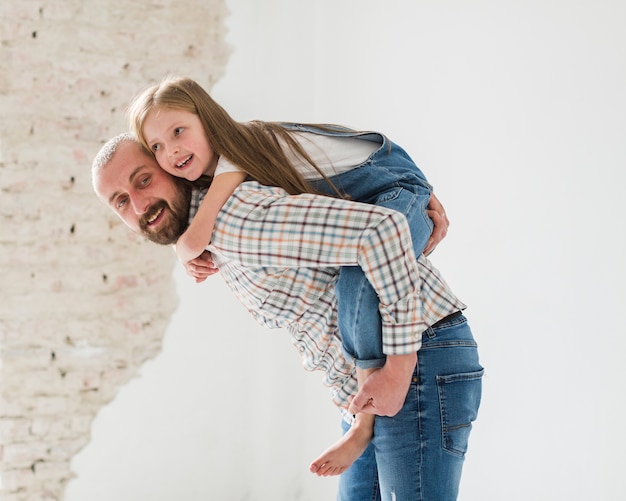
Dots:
(402, 339)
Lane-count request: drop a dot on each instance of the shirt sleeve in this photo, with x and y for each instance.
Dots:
(224, 165)
(266, 227)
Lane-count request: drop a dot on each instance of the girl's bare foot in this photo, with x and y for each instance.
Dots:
(338, 457)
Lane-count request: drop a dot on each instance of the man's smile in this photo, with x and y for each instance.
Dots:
(155, 215)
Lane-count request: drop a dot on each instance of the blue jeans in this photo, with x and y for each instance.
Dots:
(412, 456)
(418, 454)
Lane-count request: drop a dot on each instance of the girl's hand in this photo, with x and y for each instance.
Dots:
(437, 213)
(201, 267)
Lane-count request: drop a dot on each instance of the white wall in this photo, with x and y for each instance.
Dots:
(517, 114)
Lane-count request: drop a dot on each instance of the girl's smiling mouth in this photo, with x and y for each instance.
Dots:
(183, 164)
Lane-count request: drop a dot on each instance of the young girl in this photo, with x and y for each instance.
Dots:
(192, 137)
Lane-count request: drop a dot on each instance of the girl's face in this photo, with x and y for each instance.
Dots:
(178, 142)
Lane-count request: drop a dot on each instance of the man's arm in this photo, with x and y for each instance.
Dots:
(309, 231)
(264, 227)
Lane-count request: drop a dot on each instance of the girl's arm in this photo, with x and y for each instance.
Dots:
(195, 239)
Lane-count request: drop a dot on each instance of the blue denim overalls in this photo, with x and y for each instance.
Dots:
(417, 454)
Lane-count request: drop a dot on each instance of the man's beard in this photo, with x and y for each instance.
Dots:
(177, 213)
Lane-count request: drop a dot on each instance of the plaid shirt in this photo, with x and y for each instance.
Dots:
(280, 254)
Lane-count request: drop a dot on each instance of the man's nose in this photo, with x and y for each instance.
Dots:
(140, 204)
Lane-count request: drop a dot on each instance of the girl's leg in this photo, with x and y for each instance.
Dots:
(390, 180)
(360, 481)
(340, 456)
(358, 315)
(361, 330)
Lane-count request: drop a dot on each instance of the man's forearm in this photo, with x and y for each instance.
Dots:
(401, 365)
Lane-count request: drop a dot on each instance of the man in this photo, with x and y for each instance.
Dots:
(285, 282)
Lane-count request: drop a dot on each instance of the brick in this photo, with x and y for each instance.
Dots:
(48, 470)
(85, 301)
(12, 429)
(16, 478)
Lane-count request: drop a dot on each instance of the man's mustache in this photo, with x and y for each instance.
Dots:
(151, 214)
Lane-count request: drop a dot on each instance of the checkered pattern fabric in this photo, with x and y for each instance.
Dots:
(280, 254)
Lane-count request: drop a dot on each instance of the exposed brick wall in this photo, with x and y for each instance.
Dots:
(83, 302)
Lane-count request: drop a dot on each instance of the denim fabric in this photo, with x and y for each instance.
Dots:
(419, 452)
(360, 481)
(388, 178)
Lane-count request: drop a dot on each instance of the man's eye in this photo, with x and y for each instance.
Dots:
(144, 180)
(178, 130)
(156, 147)
(121, 202)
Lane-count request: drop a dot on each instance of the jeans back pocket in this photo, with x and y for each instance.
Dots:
(459, 399)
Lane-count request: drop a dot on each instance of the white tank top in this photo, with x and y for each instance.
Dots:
(333, 155)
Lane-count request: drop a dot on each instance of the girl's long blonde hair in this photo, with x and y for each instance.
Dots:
(252, 146)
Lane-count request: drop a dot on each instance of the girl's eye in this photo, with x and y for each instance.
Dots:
(156, 147)
(178, 130)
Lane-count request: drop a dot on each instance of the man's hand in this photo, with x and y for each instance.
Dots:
(201, 267)
(441, 223)
(384, 391)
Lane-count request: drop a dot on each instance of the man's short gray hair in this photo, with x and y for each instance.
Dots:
(107, 151)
